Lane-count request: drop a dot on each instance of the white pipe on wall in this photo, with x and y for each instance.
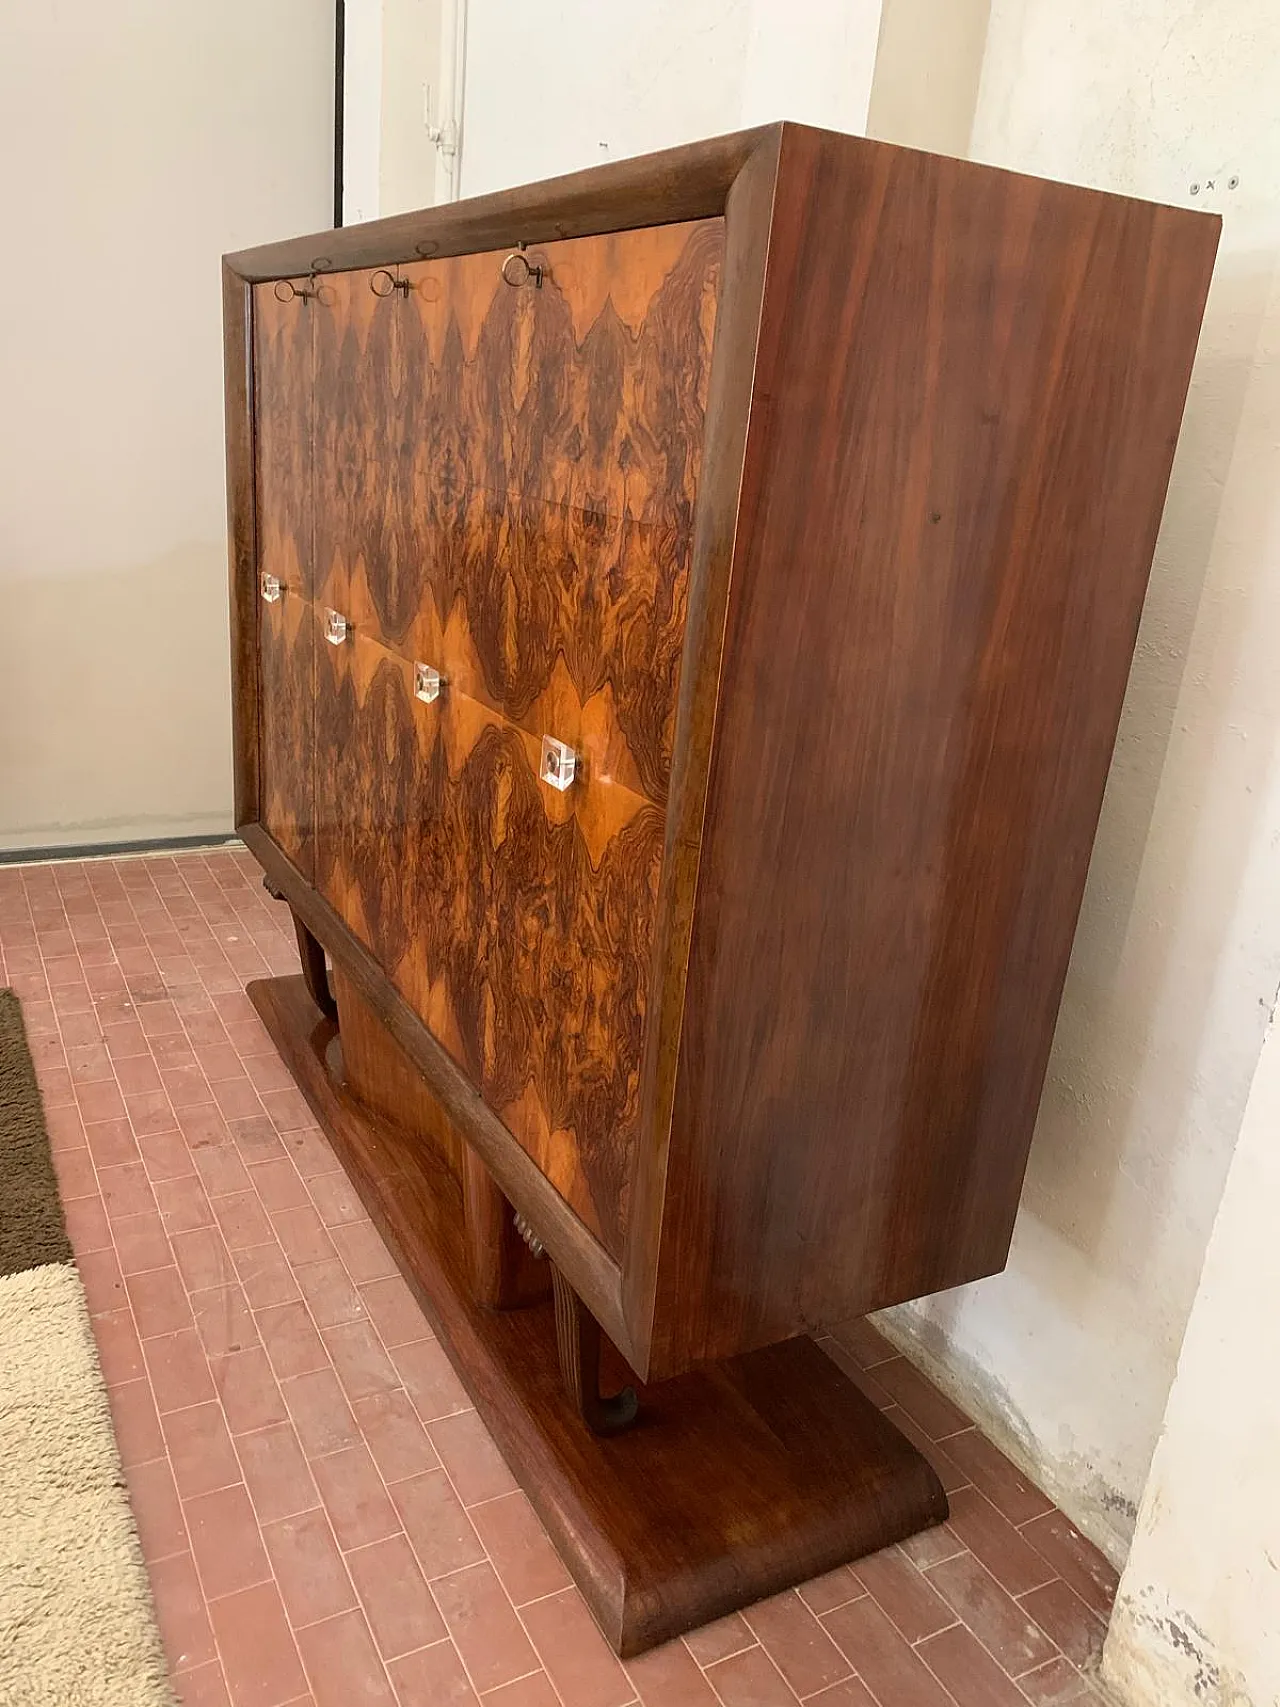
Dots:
(446, 133)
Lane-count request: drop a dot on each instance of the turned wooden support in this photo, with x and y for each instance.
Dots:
(315, 973)
(578, 1342)
(498, 1263)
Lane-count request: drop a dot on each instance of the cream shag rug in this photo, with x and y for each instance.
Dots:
(76, 1622)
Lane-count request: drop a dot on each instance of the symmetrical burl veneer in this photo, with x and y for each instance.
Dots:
(680, 619)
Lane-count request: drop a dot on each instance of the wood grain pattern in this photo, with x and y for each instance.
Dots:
(842, 807)
(501, 1270)
(385, 1080)
(283, 422)
(593, 1273)
(983, 388)
(675, 184)
(287, 641)
(735, 1483)
(506, 481)
(476, 888)
(507, 477)
(503, 1273)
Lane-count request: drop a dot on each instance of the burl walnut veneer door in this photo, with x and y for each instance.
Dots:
(505, 478)
(283, 316)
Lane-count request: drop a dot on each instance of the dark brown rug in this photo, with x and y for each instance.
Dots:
(32, 1229)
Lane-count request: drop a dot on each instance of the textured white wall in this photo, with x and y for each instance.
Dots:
(142, 139)
(928, 69)
(1197, 1619)
(1070, 1353)
(391, 87)
(572, 83)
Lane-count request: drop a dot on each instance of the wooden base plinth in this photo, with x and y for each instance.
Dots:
(736, 1481)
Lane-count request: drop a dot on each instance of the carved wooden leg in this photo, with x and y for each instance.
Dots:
(578, 1342)
(315, 974)
(498, 1263)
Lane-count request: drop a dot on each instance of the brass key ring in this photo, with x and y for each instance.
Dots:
(517, 271)
(392, 285)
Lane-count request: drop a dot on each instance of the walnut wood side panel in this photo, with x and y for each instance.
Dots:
(894, 607)
(973, 403)
(734, 1483)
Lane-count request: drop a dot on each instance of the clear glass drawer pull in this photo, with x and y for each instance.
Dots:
(271, 588)
(336, 627)
(427, 682)
(559, 763)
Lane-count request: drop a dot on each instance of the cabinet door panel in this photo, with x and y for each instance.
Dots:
(516, 920)
(371, 548)
(530, 952)
(506, 476)
(283, 398)
(505, 482)
(374, 818)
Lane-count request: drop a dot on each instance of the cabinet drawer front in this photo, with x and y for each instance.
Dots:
(515, 919)
(506, 476)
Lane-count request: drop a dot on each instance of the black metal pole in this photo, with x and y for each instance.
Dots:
(339, 68)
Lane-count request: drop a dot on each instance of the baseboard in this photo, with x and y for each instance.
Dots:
(114, 850)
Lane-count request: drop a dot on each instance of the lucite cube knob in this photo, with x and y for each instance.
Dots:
(559, 764)
(336, 627)
(427, 682)
(271, 588)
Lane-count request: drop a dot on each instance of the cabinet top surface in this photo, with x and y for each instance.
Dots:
(691, 181)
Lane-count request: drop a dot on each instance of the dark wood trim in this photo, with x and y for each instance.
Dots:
(737, 1480)
(502, 1270)
(654, 189)
(748, 221)
(589, 1268)
(315, 974)
(242, 544)
(578, 1345)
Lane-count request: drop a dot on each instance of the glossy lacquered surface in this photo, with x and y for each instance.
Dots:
(817, 522)
(500, 484)
(733, 1482)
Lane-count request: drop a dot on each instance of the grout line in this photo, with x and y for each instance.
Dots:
(190, 904)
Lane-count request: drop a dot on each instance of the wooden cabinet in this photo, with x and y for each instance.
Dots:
(802, 492)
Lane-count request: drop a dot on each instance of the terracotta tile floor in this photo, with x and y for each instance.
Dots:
(325, 1519)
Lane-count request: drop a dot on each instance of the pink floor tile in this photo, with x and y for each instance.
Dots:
(325, 1518)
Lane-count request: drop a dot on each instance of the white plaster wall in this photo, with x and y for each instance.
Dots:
(141, 139)
(409, 174)
(1197, 1619)
(362, 97)
(391, 93)
(927, 74)
(572, 83)
(1069, 1354)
